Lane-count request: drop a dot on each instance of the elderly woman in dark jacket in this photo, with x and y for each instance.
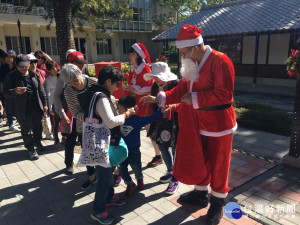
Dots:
(29, 102)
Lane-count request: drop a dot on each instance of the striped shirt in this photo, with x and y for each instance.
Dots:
(73, 104)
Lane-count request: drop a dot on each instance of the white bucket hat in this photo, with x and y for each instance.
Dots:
(32, 57)
(162, 71)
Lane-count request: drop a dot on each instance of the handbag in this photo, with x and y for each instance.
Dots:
(46, 124)
(164, 132)
(95, 141)
(117, 154)
(66, 128)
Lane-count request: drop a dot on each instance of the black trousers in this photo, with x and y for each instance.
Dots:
(69, 148)
(55, 126)
(32, 118)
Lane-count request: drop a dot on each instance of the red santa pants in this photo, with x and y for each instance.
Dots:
(217, 153)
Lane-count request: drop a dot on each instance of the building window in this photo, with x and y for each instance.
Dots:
(127, 43)
(81, 45)
(48, 45)
(14, 43)
(231, 46)
(295, 40)
(104, 47)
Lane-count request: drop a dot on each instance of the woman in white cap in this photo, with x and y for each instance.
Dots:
(164, 80)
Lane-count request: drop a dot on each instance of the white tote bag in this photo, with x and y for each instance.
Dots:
(95, 141)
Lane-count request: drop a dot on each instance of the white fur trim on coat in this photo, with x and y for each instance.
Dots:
(189, 43)
(161, 98)
(218, 134)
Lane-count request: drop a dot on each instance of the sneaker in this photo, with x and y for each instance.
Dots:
(33, 155)
(173, 186)
(167, 177)
(13, 118)
(49, 137)
(140, 183)
(103, 218)
(117, 180)
(40, 147)
(14, 128)
(155, 162)
(130, 188)
(88, 184)
(116, 201)
(69, 170)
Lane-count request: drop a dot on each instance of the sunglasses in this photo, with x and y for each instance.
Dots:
(40, 57)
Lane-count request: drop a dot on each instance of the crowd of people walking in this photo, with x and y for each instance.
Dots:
(191, 118)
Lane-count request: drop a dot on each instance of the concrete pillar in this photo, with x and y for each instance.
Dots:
(35, 37)
(2, 38)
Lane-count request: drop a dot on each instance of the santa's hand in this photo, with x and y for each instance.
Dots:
(187, 99)
(149, 99)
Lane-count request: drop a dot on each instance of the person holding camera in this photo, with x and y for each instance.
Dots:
(29, 103)
(42, 59)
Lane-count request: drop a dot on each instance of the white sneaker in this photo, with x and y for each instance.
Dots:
(49, 137)
(14, 128)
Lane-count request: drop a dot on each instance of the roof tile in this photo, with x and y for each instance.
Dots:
(242, 16)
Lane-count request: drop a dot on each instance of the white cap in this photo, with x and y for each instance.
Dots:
(68, 52)
(32, 57)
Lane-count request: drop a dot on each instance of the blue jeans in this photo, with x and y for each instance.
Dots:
(167, 156)
(134, 160)
(8, 113)
(104, 188)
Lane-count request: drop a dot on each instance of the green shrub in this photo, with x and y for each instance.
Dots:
(125, 68)
(262, 117)
(92, 72)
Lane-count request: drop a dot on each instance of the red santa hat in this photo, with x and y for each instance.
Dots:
(188, 36)
(142, 51)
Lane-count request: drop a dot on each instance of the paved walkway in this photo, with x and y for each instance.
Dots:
(39, 192)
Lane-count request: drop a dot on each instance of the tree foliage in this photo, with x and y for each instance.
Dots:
(182, 8)
(72, 15)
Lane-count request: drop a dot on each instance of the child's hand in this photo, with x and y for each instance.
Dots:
(132, 111)
(165, 109)
(129, 89)
(149, 99)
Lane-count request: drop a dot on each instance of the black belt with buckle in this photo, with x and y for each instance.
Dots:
(216, 107)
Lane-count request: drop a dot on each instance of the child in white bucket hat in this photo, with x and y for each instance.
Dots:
(164, 80)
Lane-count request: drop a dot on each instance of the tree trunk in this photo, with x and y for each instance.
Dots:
(64, 30)
(294, 150)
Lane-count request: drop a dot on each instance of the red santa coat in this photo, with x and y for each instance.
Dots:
(214, 87)
(142, 87)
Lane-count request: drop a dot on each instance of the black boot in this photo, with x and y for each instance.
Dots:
(215, 211)
(195, 197)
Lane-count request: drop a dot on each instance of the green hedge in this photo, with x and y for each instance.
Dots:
(262, 117)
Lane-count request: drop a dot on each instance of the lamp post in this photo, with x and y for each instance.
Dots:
(20, 37)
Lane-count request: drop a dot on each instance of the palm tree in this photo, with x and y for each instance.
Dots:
(64, 31)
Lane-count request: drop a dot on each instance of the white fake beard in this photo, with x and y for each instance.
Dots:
(189, 70)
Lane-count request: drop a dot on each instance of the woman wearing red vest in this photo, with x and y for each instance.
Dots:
(140, 60)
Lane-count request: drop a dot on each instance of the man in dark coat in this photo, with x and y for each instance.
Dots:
(29, 102)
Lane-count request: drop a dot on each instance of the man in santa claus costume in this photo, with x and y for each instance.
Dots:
(206, 121)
